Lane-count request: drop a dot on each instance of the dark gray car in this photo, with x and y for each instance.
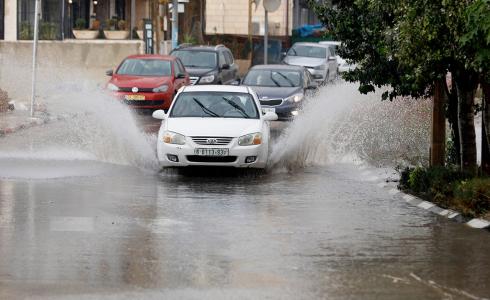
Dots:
(208, 64)
(280, 88)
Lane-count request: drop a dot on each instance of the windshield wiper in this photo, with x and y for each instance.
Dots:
(284, 76)
(205, 109)
(237, 107)
(275, 81)
(295, 53)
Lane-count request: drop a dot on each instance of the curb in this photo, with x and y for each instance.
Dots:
(432, 207)
(30, 123)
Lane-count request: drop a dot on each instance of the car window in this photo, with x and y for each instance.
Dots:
(273, 78)
(308, 51)
(179, 69)
(214, 105)
(229, 57)
(145, 67)
(196, 59)
(222, 59)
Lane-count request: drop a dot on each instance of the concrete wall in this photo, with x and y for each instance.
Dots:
(60, 62)
(231, 17)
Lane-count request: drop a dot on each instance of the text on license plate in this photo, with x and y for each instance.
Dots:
(211, 151)
(134, 97)
(268, 109)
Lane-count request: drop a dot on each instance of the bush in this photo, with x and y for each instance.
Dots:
(80, 24)
(472, 196)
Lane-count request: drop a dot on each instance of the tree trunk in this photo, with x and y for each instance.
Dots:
(465, 86)
(438, 136)
(452, 116)
(485, 141)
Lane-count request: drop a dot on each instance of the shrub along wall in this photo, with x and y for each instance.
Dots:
(449, 188)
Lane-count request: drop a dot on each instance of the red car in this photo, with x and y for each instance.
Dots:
(148, 81)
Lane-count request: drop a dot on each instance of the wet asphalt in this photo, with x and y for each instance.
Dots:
(84, 229)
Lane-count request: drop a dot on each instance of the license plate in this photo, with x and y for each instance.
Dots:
(134, 97)
(268, 109)
(211, 151)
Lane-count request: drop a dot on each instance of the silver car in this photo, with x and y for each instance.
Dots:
(343, 65)
(317, 58)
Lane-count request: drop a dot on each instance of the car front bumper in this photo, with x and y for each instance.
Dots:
(236, 157)
(318, 75)
(151, 101)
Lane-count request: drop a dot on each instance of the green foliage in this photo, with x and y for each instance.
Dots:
(111, 24)
(48, 31)
(189, 39)
(473, 196)
(26, 32)
(80, 24)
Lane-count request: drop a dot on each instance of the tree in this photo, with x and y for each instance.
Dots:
(409, 45)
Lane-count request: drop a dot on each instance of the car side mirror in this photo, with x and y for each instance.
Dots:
(312, 86)
(270, 116)
(332, 58)
(225, 66)
(159, 114)
(109, 72)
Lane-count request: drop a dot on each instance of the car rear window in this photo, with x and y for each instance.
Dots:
(145, 67)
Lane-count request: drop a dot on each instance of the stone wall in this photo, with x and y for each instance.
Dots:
(60, 62)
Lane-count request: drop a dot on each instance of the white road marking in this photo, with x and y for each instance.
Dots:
(444, 213)
(426, 205)
(71, 224)
(478, 223)
(453, 215)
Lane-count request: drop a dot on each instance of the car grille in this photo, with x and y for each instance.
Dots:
(271, 102)
(211, 140)
(140, 90)
(194, 80)
(144, 102)
(211, 159)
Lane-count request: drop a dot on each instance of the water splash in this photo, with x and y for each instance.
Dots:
(96, 128)
(339, 124)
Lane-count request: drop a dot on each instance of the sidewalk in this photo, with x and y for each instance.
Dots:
(13, 121)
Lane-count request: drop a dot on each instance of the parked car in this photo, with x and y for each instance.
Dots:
(343, 65)
(214, 125)
(148, 81)
(280, 88)
(317, 58)
(208, 64)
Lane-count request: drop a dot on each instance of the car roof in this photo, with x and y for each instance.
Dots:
(200, 47)
(309, 44)
(336, 43)
(152, 56)
(277, 67)
(216, 88)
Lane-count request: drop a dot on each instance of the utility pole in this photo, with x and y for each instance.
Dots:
(34, 55)
(250, 28)
(438, 136)
(266, 36)
(175, 23)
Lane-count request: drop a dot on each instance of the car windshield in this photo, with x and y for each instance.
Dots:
(197, 59)
(273, 78)
(214, 105)
(308, 51)
(145, 67)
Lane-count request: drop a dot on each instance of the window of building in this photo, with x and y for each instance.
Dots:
(49, 22)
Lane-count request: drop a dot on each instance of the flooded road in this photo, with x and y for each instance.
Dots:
(86, 214)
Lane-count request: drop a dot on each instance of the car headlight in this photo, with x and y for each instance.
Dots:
(112, 87)
(295, 98)
(320, 67)
(250, 139)
(161, 89)
(170, 137)
(207, 79)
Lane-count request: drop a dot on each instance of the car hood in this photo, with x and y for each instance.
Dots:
(222, 127)
(197, 71)
(304, 61)
(265, 92)
(140, 81)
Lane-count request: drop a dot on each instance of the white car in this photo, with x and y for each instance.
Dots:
(343, 65)
(214, 125)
